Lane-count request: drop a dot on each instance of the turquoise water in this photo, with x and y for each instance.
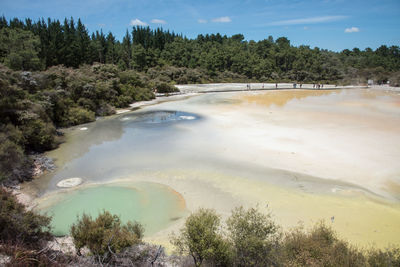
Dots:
(153, 205)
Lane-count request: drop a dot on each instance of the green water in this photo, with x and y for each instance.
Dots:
(153, 205)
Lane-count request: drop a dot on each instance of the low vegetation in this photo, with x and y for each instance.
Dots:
(105, 235)
(254, 238)
(202, 239)
(18, 226)
(24, 234)
(251, 238)
(247, 238)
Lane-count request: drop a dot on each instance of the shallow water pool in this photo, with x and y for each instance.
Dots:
(153, 205)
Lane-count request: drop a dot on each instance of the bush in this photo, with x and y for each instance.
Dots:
(105, 234)
(86, 103)
(39, 135)
(12, 161)
(105, 71)
(131, 77)
(123, 101)
(105, 109)
(18, 226)
(78, 115)
(389, 257)
(201, 238)
(254, 237)
(166, 88)
(319, 247)
(14, 165)
(142, 94)
(395, 79)
(253, 240)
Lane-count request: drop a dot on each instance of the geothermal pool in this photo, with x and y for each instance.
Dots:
(303, 155)
(153, 205)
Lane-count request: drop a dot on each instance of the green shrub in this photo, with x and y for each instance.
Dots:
(105, 109)
(319, 247)
(137, 93)
(18, 226)
(12, 162)
(15, 166)
(131, 77)
(123, 101)
(78, 115)
(254, 237)
(87, 104)
(389, 257)
(165, 88)
(39, 135)
(105, 234)
(105, 71)
(395, 79)
(142, 94)
(201, 238)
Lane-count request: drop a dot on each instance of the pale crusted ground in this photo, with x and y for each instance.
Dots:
(303, 155)
(333, 136)
(70, 182)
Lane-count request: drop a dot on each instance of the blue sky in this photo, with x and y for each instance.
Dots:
(329, 24)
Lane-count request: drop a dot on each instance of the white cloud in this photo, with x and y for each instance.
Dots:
(305, 28)
(202, 21)
(138, 22)
(100, 24)
(312, 20)
(158, 21)
(222, 19)
(352, 29)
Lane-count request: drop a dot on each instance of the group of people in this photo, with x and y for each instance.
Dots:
(317, 85)
(295, 85)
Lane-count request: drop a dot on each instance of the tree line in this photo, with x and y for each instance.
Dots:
(38, 45)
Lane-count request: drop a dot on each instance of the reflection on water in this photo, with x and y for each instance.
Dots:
(153, 205)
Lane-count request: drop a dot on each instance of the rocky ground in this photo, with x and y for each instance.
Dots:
(41, 164)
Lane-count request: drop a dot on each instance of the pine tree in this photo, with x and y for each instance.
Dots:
(126, 55)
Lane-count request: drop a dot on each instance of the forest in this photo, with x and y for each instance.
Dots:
(56, 74)
(41, 44)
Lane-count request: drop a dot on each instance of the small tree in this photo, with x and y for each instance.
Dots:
(319, 247)
(201, 239)
(254, 237)
(105, 234)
